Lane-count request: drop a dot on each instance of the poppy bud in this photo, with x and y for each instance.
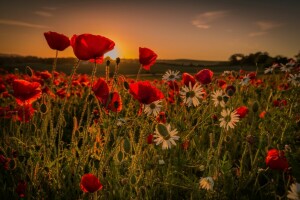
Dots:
(255, 106)
(126, 85)
(250, 139)
(118, 60)
(107, 63)
(29, 71)
(43, 108)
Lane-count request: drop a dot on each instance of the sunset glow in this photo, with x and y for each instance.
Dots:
(188, 29)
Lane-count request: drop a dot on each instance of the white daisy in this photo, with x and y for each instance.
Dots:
(206, 183)
(229, 118)
(191, 95)
(294, 192)
(285, 68)
(217, 97)
(269, 70)
(294, 79)
(226, 73)
(153, 108)
(245, 81)
(171, 75)
(165, 136)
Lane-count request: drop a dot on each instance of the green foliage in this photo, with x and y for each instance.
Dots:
(90, 139)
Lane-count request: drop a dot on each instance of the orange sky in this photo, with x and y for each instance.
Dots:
(189, 29)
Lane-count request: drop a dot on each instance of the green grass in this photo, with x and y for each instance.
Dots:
(53, 153)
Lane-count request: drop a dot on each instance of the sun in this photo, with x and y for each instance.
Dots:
(113, 54)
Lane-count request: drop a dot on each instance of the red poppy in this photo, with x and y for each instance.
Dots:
(2, 88)
(46, 90)
(173, 85)
(262, 114)
(26, 92)
(57, 41)
(45, 75)
(279, 102)
(283, 86)
(24, 113)
(171, 97)
(150, 138)
(5, 112)
(21, 188)
(98, 60)
(147, 57)
(161, 117)
(242, 111)
(204, 76)
(88, 46)
(187, 78)
(5, 162)
(222, 84)
(276, 160)
(84, 80)
(230, 90)
(252, 75)
(115, 103)
(144, 92)
(62, 93)
(101, 90)
(90, 183)
(185, 145)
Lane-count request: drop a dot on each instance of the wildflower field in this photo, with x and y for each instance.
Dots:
(185, 136)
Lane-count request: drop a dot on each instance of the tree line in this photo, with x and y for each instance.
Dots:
(259, 59)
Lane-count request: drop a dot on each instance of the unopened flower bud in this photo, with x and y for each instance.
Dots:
(108, 63)
(126, 85)
(118, 60)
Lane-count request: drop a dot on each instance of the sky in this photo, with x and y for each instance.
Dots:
(189, 29)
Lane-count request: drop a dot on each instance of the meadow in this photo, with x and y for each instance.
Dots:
(187, 135)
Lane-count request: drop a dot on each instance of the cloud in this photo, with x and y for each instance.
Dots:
(254, 34)
(204, 20)
(43, 13)
(267, 25)
(264, 28)
(21, 23)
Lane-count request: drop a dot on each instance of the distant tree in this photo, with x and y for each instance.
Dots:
(281, 59)
(236, 59)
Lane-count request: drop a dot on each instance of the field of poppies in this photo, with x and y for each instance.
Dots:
(234, 135)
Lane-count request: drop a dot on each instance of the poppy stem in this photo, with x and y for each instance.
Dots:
(53, 69)
(60, 117)
(138, 74)
(89, 92)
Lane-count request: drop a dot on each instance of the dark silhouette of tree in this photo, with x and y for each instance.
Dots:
(236, 59)
(259, 59)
